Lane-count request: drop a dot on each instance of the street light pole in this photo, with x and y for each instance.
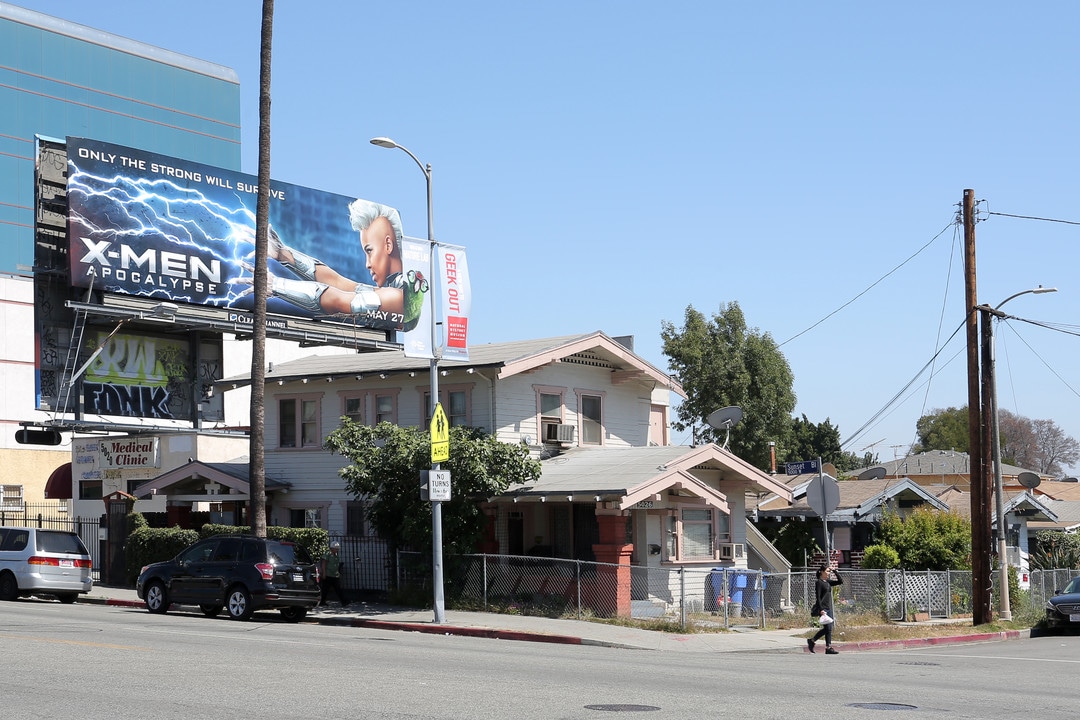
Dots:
(436, 505)
(990, 363)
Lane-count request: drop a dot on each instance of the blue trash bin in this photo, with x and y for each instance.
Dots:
(738, 593)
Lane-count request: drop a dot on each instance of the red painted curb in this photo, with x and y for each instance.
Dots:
(466, 631)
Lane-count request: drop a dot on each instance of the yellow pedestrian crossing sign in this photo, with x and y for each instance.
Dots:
(440, 435)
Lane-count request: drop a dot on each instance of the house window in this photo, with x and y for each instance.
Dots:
(305, 517)
(456, 410)
(693, 533)
(353, 408)
(550, 411)
(384, 409)
(298, 422)
(592, 432)
(90, 490)
(354, 519)
(455, 402)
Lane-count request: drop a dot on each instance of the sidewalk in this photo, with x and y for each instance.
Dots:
(567, 632)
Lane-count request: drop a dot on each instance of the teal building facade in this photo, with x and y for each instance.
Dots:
(59, 79)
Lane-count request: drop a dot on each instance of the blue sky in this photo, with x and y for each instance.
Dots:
(608, 164)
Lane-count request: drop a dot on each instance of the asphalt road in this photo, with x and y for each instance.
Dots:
(91, 661)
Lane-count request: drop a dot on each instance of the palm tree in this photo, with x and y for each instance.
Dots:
(257, 467)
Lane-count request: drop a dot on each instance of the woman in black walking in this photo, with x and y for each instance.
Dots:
(823, 607)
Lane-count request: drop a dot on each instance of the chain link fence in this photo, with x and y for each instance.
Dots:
(726, 597)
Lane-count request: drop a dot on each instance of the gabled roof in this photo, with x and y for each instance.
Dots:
(858, 498)
(625, 476)
(509, 358)
(233, 475)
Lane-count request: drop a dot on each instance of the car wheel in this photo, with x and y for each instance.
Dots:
(67, 598)
(9, 587)
(293, 614)
(239, 603)
(157, 601)
(211, 610)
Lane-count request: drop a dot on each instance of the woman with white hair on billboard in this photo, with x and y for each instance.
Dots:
(392, 298)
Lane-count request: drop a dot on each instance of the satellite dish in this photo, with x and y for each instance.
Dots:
(1029, 479)
(875, 473)
(723, 419)
(829, 469)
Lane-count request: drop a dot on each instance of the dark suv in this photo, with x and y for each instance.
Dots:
(240, 573)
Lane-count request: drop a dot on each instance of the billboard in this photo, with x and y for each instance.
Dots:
(160, 227)
(151, 376)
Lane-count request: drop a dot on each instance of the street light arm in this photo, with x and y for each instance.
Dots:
(1037, 291)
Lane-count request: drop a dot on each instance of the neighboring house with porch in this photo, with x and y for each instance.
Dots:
(649, 507)
(852, 525)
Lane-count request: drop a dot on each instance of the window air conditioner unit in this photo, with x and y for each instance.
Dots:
(556, 433)
(731, 551)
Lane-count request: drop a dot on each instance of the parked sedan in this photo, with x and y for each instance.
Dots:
(238, 573)
(1063, 610)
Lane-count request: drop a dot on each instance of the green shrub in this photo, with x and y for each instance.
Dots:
(314, 540)
(880, 557)
(150, 545)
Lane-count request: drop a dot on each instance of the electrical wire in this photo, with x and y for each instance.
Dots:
(870, 287)
(1032, 217)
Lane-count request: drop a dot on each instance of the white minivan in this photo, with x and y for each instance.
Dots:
(35, 561)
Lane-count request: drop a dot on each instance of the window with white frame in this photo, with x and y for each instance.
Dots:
(298, 422)
(694, 533)
(550, 411)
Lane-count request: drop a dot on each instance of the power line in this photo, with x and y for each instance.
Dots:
(1033, 217)
(870, 287)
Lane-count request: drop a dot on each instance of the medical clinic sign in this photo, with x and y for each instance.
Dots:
(128, 453)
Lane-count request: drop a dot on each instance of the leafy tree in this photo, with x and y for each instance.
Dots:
(720, 362)
(943, 430)
(928, 539)
(808, 441)
(385, 471)
(1036, 444)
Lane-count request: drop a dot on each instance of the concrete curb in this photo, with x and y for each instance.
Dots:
(930, 641)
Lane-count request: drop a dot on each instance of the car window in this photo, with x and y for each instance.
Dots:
(60, 542)
(228, 550)
(287, 554)
(253, 551)
(199, 552)
(1073, 586)
(15, 540)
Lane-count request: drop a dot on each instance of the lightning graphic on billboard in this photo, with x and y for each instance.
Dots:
(160, 227)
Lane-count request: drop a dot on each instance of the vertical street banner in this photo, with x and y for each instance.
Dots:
(455, 300)
(454, 296)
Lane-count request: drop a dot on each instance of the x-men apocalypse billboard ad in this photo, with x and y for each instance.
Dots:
(150, 225)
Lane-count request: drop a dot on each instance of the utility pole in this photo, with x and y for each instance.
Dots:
(980, 480)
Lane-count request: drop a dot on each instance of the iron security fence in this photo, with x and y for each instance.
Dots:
(365, 565)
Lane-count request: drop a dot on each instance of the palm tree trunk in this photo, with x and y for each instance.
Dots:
(257, 467)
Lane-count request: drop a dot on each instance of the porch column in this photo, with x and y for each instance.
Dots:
(613, 582)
